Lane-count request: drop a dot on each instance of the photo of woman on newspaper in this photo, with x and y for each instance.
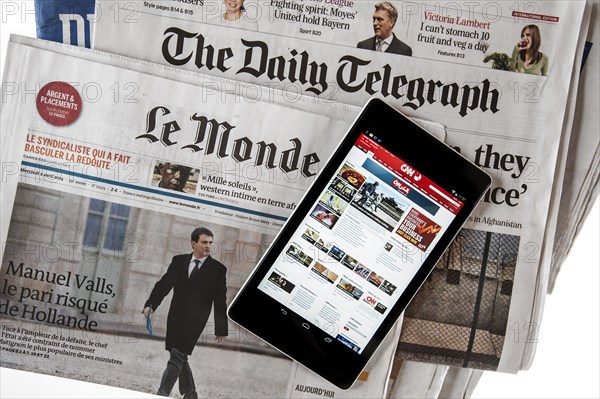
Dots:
(234, 10)
(526, 56)
(234, 14)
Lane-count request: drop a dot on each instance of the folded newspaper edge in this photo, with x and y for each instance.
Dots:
(549, 236)
(582, 170)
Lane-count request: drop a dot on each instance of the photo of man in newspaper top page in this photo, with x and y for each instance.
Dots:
(495, 74)
(121, 201)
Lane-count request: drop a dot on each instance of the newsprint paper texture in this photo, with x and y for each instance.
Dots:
(105, 178)
(460, 65)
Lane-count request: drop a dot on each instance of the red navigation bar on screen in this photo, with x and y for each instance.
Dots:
(409, 174)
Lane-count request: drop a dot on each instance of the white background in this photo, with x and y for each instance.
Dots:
(568, 353)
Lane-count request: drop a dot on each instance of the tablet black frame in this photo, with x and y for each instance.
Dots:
(297, 337)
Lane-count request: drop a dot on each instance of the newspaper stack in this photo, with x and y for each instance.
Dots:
(454, 65)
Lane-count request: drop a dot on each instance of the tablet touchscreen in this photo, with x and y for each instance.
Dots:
(364, 239)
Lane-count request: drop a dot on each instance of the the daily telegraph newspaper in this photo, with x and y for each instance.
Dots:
(108, 168)
(466, 65)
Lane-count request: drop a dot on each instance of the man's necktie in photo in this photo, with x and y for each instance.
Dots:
(195, 269)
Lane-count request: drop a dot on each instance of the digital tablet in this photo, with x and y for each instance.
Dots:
(359, 245)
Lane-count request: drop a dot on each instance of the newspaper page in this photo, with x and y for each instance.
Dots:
(304, 383)
(465, 65)
(101, 192)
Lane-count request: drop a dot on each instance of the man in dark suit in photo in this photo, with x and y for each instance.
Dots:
(198, 281)
(384, 19)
